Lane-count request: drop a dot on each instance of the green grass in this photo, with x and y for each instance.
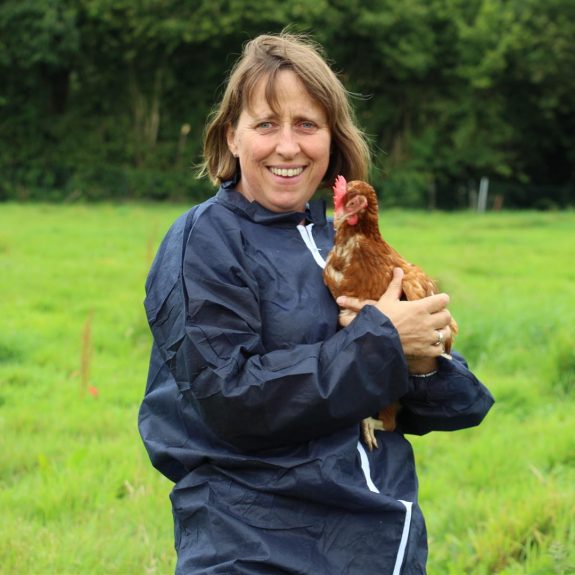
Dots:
(77, 492)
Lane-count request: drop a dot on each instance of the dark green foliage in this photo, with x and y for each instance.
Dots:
(108, 98)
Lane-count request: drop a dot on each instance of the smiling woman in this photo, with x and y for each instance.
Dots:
(258, 81)
(283, 153)
(255, 393)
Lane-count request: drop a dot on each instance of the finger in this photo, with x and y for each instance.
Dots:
(441, 338)
(438, 338)
(441, 319)
(446, 334)
(346, 316)
(353, 303)
(435, 303)
(394, 289)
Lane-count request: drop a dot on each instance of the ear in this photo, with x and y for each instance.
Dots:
(355, 205)
(231, 140)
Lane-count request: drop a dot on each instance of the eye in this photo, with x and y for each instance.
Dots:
(264, 126)
(308, 125)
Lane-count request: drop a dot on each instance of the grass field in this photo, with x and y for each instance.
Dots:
(77, 492)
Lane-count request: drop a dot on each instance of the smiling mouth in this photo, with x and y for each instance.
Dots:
(286, 172)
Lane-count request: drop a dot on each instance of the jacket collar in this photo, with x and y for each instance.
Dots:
(233, 200)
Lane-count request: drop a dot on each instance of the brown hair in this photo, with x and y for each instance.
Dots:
(264, 57)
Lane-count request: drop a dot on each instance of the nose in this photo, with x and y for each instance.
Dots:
(287, 144)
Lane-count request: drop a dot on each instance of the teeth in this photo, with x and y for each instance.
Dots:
(286, 172)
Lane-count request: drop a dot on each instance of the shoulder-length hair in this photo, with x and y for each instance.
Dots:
(264, 57)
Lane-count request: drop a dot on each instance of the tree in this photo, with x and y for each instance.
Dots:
(449, 90)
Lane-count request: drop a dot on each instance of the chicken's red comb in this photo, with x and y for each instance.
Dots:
(339, 191)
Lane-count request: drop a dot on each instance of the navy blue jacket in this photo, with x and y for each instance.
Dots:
(254, 399)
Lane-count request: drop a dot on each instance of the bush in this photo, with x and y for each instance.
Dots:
(99, 183)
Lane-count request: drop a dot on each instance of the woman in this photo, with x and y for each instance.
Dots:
(255, 393)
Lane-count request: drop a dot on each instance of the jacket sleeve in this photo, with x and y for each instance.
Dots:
(451, 399)
(252, 397)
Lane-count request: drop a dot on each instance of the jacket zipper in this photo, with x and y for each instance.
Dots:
(307, 236)
(407, 504)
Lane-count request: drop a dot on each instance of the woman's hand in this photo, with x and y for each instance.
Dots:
(417, 322)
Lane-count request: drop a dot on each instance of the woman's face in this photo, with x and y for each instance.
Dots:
(283, 155)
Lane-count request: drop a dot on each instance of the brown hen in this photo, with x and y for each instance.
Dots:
(361, 265)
